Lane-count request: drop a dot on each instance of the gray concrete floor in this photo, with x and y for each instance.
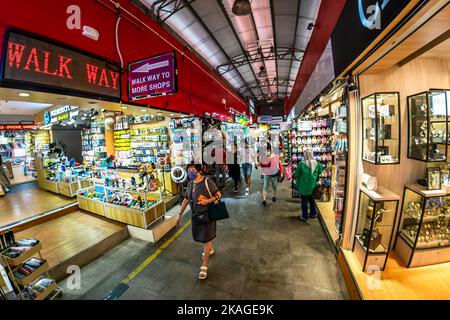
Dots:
(261, 253)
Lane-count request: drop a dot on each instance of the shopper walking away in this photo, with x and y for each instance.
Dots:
(306, 176)
(234, 169)
(271, 170)
(220, 166)
(248, 161)
(198, 198)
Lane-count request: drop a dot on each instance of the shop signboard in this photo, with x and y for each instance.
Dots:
(264, 119)
(305, 125)
(18, 126)
(362, 21)
(41, 64)
(153, 76)
(60, 114)
(275, 126)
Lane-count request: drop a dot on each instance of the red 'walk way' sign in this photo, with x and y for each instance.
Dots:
(32, 61)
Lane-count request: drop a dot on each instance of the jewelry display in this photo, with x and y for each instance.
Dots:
(428, 126)
(381, 128)
(435, 230)
(374, 227)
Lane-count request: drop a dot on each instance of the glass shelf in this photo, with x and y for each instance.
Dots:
(381, 128)
(427, 114)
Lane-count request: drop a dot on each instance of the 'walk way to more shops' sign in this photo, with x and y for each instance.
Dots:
(31, 61)
(152, 77)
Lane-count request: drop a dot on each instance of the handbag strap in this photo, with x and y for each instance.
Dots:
(207, 187)
(209, 191)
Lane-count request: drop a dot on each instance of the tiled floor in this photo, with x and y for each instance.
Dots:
(261, 253)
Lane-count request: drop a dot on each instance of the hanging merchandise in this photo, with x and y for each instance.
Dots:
(186, 140)
(148, 144)
(93, 142)
(316, 135)
(340, 149)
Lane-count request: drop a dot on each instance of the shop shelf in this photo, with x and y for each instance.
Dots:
(47, 292)
(24, 256)
(37, 273)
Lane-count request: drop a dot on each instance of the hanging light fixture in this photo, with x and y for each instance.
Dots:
(241, 7)
(351, 85)
(262, 72)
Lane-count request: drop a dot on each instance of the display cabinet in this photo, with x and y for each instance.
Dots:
(423, 236)
(55, 177)
(381, 128)
(140, 209)
(377, 213)
(428, 126)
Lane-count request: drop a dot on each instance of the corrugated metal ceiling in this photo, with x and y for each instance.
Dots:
(273, 36)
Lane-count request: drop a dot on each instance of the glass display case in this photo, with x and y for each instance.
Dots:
(377, 213)
(136, 208)
(428, 126)
(424, 230)
(381, 128)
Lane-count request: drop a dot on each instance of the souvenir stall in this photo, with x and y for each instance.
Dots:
(313, 131)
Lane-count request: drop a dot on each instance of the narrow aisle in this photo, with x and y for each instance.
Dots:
(261, 253)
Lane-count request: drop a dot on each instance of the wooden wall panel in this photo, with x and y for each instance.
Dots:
(415, 77)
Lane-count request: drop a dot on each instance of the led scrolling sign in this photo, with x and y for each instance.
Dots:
(32, 61)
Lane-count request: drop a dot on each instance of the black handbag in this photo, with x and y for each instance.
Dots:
(217, 210)
(197, 217)
(201, 217)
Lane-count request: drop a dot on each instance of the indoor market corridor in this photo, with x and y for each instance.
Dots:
(261, 253)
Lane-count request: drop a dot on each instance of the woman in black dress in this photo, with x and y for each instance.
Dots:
(200, 193)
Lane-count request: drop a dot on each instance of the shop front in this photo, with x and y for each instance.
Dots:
(111, 118)
(396, 230)
(322, 128)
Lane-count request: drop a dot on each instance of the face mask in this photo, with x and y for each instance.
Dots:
(192, 175)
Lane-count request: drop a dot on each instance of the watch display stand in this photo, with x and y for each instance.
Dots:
(423, 237)
(377, 212)
(381, 128)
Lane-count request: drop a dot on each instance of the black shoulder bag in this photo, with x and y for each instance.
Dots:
(217, 210)
(199, 217)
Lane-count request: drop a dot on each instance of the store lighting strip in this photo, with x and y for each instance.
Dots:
(118, 6)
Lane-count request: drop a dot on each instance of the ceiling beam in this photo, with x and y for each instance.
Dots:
(295, 35)
(245, 56)
(265, 54)
(272, 13)
(200, 20)
(255, 29)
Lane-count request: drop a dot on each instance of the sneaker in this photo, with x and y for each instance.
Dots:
(303, 219)
(264, 203)
(235, 190)
(247, 191)
(313, 217)
(274, 199)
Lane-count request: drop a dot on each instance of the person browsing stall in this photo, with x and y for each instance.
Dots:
(306, 176)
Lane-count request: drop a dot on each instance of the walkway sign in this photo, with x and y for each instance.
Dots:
(31, 61)
(153, 76)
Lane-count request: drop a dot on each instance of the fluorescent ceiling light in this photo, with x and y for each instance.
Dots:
(24, 94)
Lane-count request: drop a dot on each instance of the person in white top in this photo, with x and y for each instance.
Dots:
(248, 161)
